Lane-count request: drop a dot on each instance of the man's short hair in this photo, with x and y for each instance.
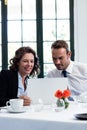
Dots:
(60, 44)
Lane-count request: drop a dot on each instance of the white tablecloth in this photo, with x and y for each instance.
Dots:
(46, 119)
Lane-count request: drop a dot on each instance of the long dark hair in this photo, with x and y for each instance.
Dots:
(19, 54)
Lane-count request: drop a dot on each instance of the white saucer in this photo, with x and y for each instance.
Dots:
(9, 109)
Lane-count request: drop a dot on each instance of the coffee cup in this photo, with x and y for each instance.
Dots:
(15, 104)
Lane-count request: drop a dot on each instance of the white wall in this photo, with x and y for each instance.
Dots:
(80, 30)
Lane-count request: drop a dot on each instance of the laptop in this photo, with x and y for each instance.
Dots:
(43, 89)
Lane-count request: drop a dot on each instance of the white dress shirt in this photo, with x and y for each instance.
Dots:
(77, 77)
(21, 90)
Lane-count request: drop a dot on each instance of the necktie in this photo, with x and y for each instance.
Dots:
(64, 73)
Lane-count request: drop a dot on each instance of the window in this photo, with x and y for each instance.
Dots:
(21, 16)
(35, 23)
(56, 25)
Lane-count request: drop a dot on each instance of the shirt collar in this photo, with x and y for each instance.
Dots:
(19, 76)
(70, 67)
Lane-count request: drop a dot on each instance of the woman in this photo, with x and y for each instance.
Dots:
(23, 65)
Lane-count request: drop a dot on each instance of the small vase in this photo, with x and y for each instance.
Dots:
(66, 103)
(60, 103)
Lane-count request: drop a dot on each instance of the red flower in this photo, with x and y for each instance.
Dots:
(58, 94)
(62, 95)
(65, 94)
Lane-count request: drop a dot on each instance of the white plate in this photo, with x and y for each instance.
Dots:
(9, 109)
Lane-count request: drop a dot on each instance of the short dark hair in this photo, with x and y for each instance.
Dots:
(19, 54)
(60, 44)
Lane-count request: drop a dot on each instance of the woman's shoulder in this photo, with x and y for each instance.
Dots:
(7, 72)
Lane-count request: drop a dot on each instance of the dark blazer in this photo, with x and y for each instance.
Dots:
(8, 86)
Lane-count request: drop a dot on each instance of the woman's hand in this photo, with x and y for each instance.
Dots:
(27, 100)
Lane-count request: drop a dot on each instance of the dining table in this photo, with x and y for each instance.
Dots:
(44, 117)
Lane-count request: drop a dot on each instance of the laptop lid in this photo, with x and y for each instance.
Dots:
(44, 89)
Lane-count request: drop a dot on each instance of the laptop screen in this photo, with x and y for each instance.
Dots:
(45, 88)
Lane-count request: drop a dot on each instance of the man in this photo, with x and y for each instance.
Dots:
(75, 72)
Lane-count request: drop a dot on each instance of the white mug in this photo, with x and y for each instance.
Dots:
(15, 104)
